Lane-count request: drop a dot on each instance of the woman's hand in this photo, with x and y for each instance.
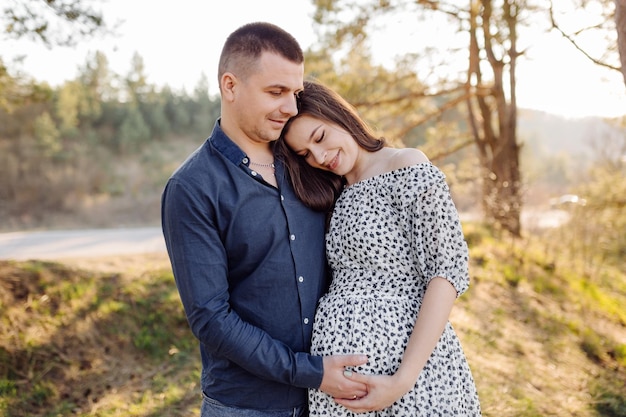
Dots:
(383, 390)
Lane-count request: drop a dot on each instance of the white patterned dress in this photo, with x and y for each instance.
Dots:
(389, 236)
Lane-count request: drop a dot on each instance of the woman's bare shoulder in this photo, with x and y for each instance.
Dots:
(406, 157)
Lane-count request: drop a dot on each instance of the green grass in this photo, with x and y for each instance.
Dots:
(543, 337)
(80, 343)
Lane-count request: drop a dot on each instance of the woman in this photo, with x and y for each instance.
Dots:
(399, 260)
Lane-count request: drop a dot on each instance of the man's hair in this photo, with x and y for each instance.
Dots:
(245, 45)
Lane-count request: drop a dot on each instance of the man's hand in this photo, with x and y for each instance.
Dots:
(335, 384)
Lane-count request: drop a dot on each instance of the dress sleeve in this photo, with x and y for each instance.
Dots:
(438, 243)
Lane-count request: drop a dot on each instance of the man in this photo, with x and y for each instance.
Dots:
(247, 256)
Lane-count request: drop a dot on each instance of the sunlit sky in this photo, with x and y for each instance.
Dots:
(181, 40)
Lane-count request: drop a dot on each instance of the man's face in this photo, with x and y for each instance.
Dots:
(266, 99)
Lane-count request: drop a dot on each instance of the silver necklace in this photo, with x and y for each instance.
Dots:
(270, 165)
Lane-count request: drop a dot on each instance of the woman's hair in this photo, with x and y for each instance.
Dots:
(242, 49)
(318, 188)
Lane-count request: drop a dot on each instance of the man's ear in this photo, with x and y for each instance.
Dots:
(228, 83)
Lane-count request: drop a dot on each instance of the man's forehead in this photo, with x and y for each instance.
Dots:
(278, 72)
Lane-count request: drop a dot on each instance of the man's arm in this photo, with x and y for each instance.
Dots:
(199, 262)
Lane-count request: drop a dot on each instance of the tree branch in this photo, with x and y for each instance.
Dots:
(571, 40)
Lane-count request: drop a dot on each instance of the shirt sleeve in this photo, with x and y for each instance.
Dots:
(199, 263)
(438, 242)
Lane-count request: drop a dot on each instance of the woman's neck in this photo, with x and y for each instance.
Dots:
(368, 164)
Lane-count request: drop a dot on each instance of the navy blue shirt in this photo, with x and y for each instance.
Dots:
(249, 263)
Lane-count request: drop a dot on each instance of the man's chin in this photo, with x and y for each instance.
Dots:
(272, 136)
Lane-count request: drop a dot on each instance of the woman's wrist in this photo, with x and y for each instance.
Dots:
(405, 379)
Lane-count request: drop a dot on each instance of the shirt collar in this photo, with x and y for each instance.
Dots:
(225, 145)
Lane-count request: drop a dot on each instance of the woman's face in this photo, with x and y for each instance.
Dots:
(322, 144)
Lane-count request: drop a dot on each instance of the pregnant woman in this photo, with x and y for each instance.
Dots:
(399, 261)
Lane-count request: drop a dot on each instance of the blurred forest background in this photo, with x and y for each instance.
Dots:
(96, 151)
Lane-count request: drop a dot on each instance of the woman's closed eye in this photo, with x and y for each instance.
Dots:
(302, 154)
(306, 154)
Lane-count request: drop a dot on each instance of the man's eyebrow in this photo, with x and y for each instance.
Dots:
(281, 87)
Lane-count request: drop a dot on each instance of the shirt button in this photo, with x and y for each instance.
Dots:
(301, 279)
(282, 197)
(306, 321)
(245, 160)
(292, 237)
(253, 173)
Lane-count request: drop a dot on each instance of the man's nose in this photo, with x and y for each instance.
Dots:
(290, 106)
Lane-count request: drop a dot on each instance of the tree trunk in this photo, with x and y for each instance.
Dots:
(494, 121)
(620, 24)
(501, 188)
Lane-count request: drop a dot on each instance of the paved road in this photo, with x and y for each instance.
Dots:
(50, 245)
